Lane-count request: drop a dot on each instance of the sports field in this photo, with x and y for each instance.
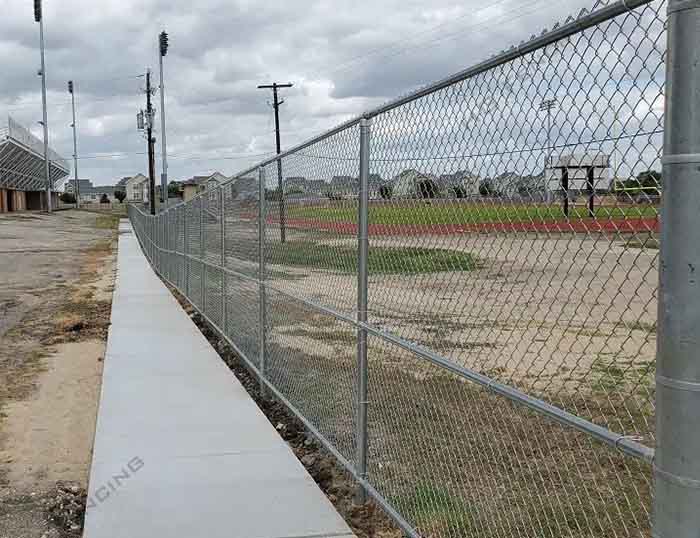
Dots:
(419, 213)
(411, 217)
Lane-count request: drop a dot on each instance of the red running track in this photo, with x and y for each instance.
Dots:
(610, 226)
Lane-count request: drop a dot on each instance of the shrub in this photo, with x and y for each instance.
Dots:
(459, 191)
(487, 189)
(386, 192)
(120, 195)
(104, 199)
(427, 188)
(67, 198)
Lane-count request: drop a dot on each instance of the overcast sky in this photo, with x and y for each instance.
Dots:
(343, 57)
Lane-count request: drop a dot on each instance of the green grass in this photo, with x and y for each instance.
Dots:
(382, 260)
(107, 222)
(434, 509)
(417, 213)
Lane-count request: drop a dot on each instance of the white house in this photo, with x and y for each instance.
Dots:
(137, 188)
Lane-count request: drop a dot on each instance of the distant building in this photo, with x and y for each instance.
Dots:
(344, 185)
(22, 173)
(90, 193)
(197, 184)
(408, 183)
(84, 185)
(461, 179)
(137, 189)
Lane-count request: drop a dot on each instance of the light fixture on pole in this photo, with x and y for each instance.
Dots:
(163, 46)
(47, 169)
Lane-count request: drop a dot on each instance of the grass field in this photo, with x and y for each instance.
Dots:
(381, 260)
(419, 213)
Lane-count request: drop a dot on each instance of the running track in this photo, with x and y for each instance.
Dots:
(608, 226)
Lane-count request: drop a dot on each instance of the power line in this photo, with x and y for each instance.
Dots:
(177, 156)
(430, 30)
(488, 23)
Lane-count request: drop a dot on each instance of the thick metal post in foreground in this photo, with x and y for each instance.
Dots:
(677, 461)
(262, 307)
(362, 280)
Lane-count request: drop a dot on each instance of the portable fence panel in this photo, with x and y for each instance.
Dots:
(508, 353)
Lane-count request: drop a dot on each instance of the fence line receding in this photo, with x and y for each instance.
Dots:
(461, 299)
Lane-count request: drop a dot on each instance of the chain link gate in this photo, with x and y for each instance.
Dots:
(461, 302)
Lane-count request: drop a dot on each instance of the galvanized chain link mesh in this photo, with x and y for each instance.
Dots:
(513, 232)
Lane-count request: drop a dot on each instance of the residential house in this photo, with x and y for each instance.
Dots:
(463, 180)
(90, 193)
(197, 184)
(414, 184)
(137, 189)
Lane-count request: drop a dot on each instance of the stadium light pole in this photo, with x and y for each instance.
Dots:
(163, 46)
(76, 188)
(548, 105)
(47, 170)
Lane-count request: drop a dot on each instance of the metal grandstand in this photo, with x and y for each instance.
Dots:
(22, 160)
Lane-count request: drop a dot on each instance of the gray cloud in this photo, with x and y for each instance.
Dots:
(344, 57)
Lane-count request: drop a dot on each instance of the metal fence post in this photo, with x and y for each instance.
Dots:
(677, 461)
(186, 251)
(362, 278)
(262, 307)
(222, 215)
(203, 268)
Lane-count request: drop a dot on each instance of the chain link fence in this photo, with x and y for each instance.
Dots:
(457, 292)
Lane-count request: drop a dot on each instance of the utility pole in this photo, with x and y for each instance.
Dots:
(276, 103)
(548, 105)
(76, 187)
(151, 149)
(163, 46)
(47, 169)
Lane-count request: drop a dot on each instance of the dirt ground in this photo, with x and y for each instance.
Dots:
(57, 273)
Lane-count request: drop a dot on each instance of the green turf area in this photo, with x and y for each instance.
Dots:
(420, 213)
(382, 260)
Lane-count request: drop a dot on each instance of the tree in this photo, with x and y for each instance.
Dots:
(386, 192)
(486, 188)
(427, 188)
(120, 195)
(67, 198)
(174, 188)
(647, 182)
(104, 199)
(459, 191)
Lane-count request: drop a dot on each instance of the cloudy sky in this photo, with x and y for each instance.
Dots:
(343, 57)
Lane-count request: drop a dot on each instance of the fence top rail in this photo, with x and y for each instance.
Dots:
(572, 27)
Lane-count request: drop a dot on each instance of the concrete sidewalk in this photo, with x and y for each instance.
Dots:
(181, 450)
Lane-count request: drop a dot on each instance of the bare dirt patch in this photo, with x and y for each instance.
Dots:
(58, 299)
